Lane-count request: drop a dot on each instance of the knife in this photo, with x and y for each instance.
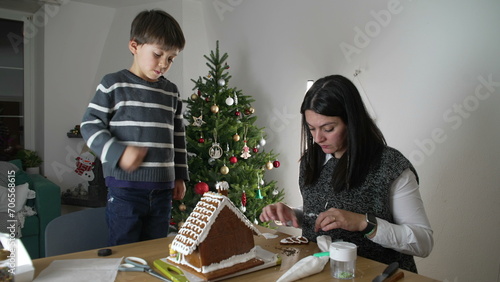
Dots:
(388, 271)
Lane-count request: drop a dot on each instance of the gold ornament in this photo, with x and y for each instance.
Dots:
(236, 137)
(224, 169)
(214, 109)
(269, 165)
(194, 96)
(182, 207)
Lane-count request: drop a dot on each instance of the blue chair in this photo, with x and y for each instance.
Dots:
(77, 231)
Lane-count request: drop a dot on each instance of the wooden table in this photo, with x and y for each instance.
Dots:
(151, 250)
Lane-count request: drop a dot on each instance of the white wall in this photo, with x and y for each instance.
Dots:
(418, 67)
(83, 42)
(421, 69)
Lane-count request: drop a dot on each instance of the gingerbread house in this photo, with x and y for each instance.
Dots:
(216, 239)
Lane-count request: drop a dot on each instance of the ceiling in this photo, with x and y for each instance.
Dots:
(31, 6)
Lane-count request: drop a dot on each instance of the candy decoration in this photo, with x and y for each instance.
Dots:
(276, 164)
(201, 188)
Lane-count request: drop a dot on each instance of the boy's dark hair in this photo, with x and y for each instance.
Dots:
(157, 27)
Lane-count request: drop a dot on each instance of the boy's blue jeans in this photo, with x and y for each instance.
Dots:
(137, 214)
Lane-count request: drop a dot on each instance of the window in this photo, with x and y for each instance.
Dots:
(15, 91)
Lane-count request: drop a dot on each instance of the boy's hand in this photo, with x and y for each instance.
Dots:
(132, 158)
(179, 189)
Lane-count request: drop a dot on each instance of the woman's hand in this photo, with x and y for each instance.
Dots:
(336, 218)
(281, 212)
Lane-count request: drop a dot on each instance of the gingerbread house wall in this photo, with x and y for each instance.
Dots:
(228, 236)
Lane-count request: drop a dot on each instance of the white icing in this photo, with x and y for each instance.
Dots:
(204, 214)
(220, 265)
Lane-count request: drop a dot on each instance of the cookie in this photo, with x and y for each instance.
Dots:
(294, 240)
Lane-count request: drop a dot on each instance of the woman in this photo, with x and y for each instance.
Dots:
(354, 187)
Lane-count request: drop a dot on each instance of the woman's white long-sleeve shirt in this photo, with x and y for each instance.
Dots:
(411, 232)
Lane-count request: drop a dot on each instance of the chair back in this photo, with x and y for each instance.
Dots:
(77, 231)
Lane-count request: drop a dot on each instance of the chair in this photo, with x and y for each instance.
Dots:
(77, 231)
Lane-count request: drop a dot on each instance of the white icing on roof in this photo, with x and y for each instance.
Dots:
(198, 224)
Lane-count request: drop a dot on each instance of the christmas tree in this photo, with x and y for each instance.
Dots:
(225, 149)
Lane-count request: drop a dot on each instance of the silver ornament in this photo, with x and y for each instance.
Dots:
(229, 101)
(221, 82)
(262, 142)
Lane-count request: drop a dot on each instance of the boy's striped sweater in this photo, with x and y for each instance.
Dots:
(129, 111)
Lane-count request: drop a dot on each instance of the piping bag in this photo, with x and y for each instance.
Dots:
(309, 265)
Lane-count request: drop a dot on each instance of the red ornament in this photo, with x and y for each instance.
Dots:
(276, 164)
(255, 149)
(201, 140)
(244, 199)
(207, 99)
(237, 113)
(199, 93)
(201, 188)
(233, 159)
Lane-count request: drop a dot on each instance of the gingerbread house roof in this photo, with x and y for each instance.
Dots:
(198, 224)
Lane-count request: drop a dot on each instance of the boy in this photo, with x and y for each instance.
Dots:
(135, 124)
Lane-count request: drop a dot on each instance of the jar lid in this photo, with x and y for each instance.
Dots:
(343, 251)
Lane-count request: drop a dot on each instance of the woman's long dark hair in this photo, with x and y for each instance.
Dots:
(337, 96)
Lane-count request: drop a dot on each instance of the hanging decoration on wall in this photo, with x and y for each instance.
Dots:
(364, 97)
